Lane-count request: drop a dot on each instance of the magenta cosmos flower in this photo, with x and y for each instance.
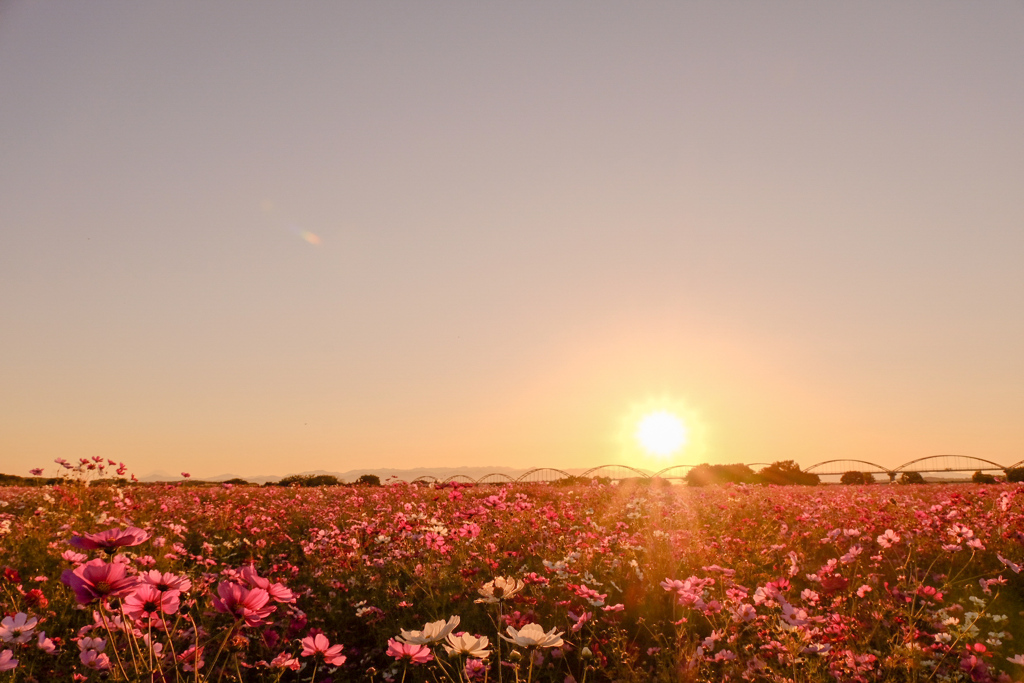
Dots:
(150, 601)
(409, 652)
(110, 539)
(98, 579)
(244, 603)
(319, 643)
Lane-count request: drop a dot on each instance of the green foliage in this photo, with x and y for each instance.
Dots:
(911, 478)
(15, 480)
(1015, 474)
(368, 480)
(854, 478)
(787, 473)
(323, 480)
(982, 478)
(706, 475)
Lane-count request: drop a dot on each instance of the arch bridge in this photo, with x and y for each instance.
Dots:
(615, 472)
(841, 466)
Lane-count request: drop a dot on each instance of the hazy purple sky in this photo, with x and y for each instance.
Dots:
(800, 225)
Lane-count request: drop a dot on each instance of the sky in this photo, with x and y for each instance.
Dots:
(265, 238)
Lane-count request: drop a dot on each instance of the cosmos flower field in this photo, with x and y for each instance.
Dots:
(527, 582)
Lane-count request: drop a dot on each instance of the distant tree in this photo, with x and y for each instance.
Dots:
(237, 481)
(854, 478)
(294, 480)
(982, 478)
(324, 480)
(1015, 474)
(707, 475)
(911, 478)
(787, 472)
(368, 480)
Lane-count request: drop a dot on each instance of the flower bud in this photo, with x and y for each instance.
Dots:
(585, 653)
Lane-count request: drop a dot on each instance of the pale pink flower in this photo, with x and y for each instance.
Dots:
(1015, 567)
(743, 613)
(17, 629)
(87, 643)
(888, 539)
(285, 661)
(320, 644)
(533, 635)
(45, 644)
(72, 556)
(95, 660)
(7, 660)
(501, 588)
(466, 644)
(433, 632)
(409, 652)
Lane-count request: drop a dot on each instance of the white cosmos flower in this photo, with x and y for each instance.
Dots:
(465, 644)
(532, 635)
(431, 633)
(501, 588)
(17, 629)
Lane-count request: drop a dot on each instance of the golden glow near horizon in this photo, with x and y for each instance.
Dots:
(661, 433)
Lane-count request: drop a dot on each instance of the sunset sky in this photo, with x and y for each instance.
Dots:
(269, 237)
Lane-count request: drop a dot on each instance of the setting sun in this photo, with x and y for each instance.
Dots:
(661, 433)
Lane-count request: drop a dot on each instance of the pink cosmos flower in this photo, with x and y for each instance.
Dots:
(285, 661)
(7, 660)
(888, 539)
(110, 539)
(277, 591)
(45, 644)
(95, 660)
(17, 629)
(72, 556)
(86, 643)
(98, 579)
(166, 581)
(319, 643)
(409, 652)
(36, 471)
(149, 601)
(474, 669)
(244, 603)
(192, 659)
(1012, 565)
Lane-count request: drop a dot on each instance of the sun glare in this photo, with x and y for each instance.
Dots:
(661, 433)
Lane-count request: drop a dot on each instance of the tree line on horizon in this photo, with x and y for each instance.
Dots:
(780, 473)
